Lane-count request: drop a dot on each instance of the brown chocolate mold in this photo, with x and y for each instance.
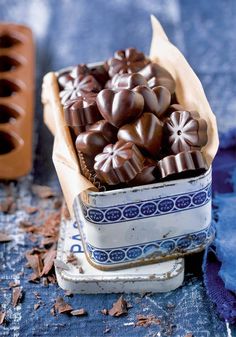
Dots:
(16, 100)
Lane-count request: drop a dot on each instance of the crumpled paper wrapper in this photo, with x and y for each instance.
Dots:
(189, 93)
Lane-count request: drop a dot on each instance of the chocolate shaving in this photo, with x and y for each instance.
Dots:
(5, 237)
(36, 306)
(146, 321)
(61, 306)
(79, 312)
(119, 308)
(81, 271)
(72, 259)
(8, 205)
(14, 284)
(106, 330)
(2, 317)
(48, 261)
(30, 209)
(104, 311)
(43, 192)
(16, 296)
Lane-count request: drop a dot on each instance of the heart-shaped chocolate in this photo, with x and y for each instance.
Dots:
(150, 99)
(108, 131)
(91, 142)
(164, 98)
(119, 108)
(146, 133)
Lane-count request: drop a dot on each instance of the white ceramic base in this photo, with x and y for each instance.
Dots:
(159, 277)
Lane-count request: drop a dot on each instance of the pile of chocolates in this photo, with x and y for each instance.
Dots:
(126, 124)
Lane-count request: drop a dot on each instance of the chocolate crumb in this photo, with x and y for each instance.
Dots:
(81, 271)
(52, 311)
(36, 306)
(30, 209)
(61, 306)
(37, 295)
(2, 317)
(57, 203)
(5, 237)
(16, 296)
(146, 321)
(14, 284)
(104, 311)
(106, 330)
(8, 205)
(189, 334)
(119, 308)
(79, 312)
(72, 259)
(43, 192)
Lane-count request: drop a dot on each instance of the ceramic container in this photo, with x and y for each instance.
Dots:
(145, 224)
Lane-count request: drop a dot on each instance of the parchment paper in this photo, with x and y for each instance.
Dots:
(189, 93)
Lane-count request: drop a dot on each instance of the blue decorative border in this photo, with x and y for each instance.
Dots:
(147, 209)
(179, 244)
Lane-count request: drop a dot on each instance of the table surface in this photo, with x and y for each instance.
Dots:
(71, 32)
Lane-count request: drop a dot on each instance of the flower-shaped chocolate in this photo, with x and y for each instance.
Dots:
(82, 110)
(129, 60)
(182, 165)
(79, 87)
(185, 131)
(119, 163)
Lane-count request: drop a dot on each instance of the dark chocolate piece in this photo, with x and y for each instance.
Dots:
(163, 97)
(182, 165)
(158, 76)
(81, 111)
(185, 131)
(63, 79)
(118, 163)
(119, 108)
(79, 87)
(147, 176)
(129, 60)
(80, 71)
(91, 142)
(100, 74)
(108, 130)
(146, 133)
(150, 99)
(127, 81)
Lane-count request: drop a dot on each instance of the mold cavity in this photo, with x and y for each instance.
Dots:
(8, 63)
(8, 88)
(8, 114)
(7, 142)
(7, 41)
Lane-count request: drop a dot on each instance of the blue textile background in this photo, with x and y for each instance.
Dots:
(69, 32)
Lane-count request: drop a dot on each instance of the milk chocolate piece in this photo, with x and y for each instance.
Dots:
(93, 141)
(82, 111)
(150, 99)
(182, 165)
(17, 66)
(127, 81)
(185, 131)
(119, 108)
(147, 175)
(146, 133)
(79, 87)
(129, 60)
(158, 76)
(163, 97)
(118, 163)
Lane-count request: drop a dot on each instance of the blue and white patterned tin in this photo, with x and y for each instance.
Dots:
(145, 224)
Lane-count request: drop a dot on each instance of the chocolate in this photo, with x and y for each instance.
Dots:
(158, 76)
(185, 131)
(119, 108)
(79, 87)
(108, 130)
(91, 143)
(63, 79)
(129, 60)
(118, 163)
(127, 81)
(147, 175)
(146, 133)
(150, 99)
(100, 74)
(81, 111)
(80, 71)
(163, 97)
(182, 165)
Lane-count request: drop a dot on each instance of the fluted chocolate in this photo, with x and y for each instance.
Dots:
(147, 175)
(119, 163)
(91, 143)
(185, 131)
(158, 76)
(146, 133)
(163, 98)
(129, 60)
(82, 111)
(182, 165)
(119, 108)
(108, 130)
